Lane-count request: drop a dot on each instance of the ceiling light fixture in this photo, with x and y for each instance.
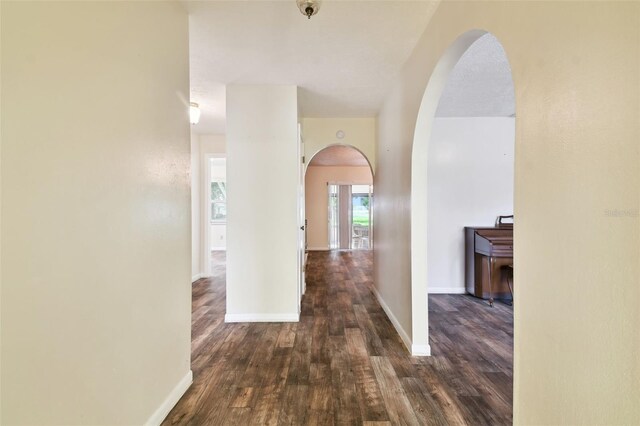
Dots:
(308, 7)
(194, 113)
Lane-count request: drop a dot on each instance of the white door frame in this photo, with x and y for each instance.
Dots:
(205, 222)
(302, 285)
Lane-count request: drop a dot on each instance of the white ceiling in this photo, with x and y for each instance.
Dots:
(338, 155)
(480, 85)
(344, 59)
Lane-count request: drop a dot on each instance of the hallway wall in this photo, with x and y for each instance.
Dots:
(263, 178)
(318, 133)
(201, 145)
(470, 182)
(96, 295)
(577, 235)
(317, 202)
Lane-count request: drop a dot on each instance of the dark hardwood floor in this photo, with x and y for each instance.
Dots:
(344, 363)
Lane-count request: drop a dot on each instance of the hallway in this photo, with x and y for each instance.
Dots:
(344, 363)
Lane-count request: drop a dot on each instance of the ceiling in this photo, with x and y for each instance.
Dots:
(338, 155)
(344, 59)
(480, 84)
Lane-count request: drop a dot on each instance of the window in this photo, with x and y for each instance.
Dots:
(218, 201)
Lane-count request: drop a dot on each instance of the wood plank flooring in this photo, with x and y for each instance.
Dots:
(344, 363)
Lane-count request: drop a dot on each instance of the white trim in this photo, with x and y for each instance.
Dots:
(197, 277)
(351, 182)
(420, 350)
(218, 248)
(262, 317)
(318, 249)
(447, 290)
(415, 350)
(308, 162)
(419, 181)
(205, 207)
(403, 334)
(171, 400)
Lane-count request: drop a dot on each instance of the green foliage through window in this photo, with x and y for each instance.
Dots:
(218, 201)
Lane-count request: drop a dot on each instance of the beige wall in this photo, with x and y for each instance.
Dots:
(212, 144)
(576, 72)
(316, 198)
(318, 133)
(263, 179)
(96, 299)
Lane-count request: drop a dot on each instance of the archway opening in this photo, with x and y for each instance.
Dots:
(338, 200)
(462, 175)
(470, 167)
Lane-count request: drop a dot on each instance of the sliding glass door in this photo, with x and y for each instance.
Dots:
(350, 225)
(361, 216)
(334, 217)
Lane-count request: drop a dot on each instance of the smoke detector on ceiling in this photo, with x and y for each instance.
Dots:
(308, 7)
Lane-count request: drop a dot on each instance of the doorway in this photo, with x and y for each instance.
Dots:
(339, 200)
(462, 164)
(215, 188)
(350, 225)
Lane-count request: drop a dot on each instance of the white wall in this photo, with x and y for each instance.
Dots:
(262, 224)
(470, 182)
(318, 133)
(96, 297)
(218, 236)
(577, 234)
(317, 198)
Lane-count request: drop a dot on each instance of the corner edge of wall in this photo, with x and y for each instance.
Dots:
(171, 400)
(414, 350)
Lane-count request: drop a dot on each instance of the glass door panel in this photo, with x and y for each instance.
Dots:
(361, 216)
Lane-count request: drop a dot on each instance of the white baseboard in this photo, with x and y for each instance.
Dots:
(199, 276)
(262, 317)
(403, 334)
(414, 350)
(420, 350)
(317, 248)
(447, 290)
(171, 400)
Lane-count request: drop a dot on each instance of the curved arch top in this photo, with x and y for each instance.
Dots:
(419, 156)
(308, 162)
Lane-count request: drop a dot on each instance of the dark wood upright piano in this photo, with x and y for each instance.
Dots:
(487, 251)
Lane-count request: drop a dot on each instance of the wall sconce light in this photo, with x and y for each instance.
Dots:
(194, 113)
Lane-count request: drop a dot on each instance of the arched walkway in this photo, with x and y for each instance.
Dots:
(419, 187)
(338, 183)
